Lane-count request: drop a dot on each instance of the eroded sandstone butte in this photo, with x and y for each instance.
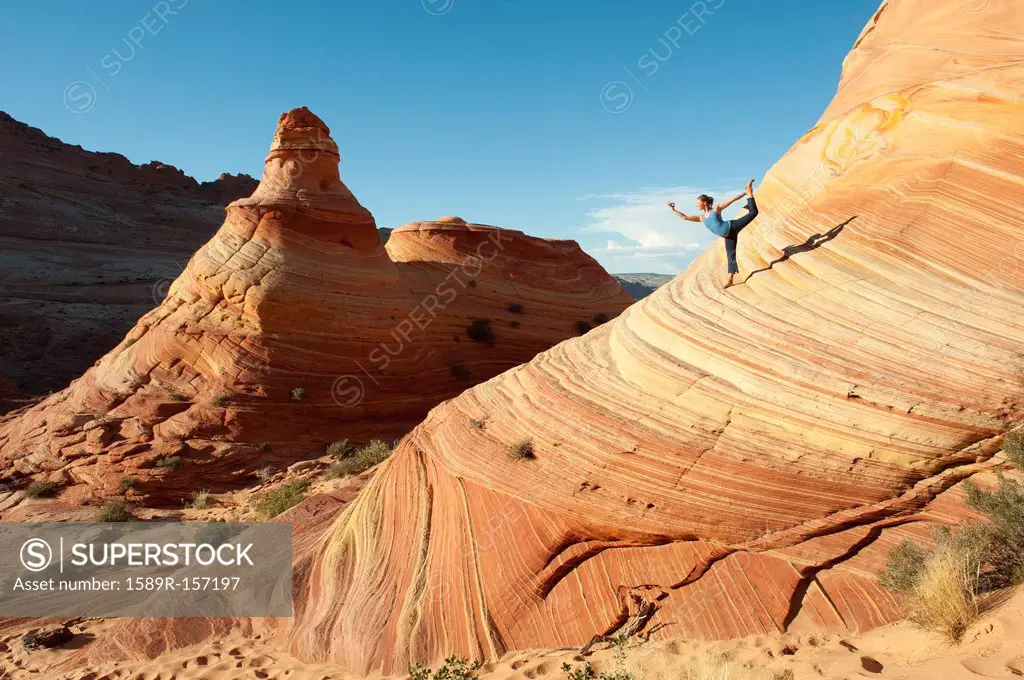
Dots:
(740, 460)
(294, 327)
(88, 243)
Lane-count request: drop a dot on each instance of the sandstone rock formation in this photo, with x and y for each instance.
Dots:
(88, 243)
(716, 464)
(294, 327)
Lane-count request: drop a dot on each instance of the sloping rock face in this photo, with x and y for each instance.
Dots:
(717, 464)
(88, 243)
(294, 327)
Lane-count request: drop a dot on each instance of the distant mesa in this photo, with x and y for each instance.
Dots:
(642, 285)
(296, 295)
(722, 464)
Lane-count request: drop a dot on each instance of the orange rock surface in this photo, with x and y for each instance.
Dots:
(294, 327)
(739, 461)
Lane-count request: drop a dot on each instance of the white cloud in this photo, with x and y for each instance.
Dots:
(642, 234)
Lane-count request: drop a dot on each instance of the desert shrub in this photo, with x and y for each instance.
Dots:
(177, 397)
(265, 474)
(453, 668)
(521, 449)
(515, 309)
(169, 462)
(480, 331)
(337, 469)
(286, 496)
(1013, 447)
(116, 511)
(583, 327)
(514, 324)
(478, 423)
(219, 400)
(200, 499)
(263, 446)
(600, 318)
(472, 283)
(340, 449)
(127, 484)
(44, 489)
(460, 371)
(1001, 538)
(363, 458)
(298, 394)
(941, 585)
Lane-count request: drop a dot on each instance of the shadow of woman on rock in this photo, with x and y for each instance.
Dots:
(812, 243)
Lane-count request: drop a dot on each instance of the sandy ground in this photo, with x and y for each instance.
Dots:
(993, 648)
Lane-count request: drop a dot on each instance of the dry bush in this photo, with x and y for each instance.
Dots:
(200, 499)
(521, 449)
(945, 598)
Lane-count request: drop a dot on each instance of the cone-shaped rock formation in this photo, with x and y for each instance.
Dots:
(294, 326)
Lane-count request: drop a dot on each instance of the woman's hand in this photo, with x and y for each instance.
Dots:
(672, 205)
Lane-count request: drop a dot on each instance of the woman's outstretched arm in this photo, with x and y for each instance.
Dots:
(688, 218)
(723, 206)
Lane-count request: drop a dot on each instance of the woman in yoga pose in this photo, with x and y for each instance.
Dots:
(711, 216)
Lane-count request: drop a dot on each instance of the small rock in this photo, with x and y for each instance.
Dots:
(302, 465)
(54, 638)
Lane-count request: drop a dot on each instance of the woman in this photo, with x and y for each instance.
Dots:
(711, 216)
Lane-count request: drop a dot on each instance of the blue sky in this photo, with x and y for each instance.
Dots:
(564, 118)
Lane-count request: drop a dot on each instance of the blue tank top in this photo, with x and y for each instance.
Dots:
(716, 225)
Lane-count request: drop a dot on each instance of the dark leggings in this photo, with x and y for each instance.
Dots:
(734, 231)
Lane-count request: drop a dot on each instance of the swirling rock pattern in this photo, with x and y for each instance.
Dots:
(733, 461)
(294, 327)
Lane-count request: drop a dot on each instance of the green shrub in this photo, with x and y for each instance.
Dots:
(600, 318)
(44, 489)
(340, 450)
(170, 463)
(941, 584)
(478, 423)
(515, 309)
(177, 397)
(480, 331)
(116, 511)
(200, 499)
(219, 400)
(298, 394)
(263, 446)
(286, 496)
(583, 327)
(127, 484)
(521, 449)
(453, 668)
(265, 474)
(362, 459)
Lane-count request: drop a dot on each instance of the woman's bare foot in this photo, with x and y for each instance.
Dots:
(750, 188)
(729, 283)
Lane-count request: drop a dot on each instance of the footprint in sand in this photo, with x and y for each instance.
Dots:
(518, 663)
